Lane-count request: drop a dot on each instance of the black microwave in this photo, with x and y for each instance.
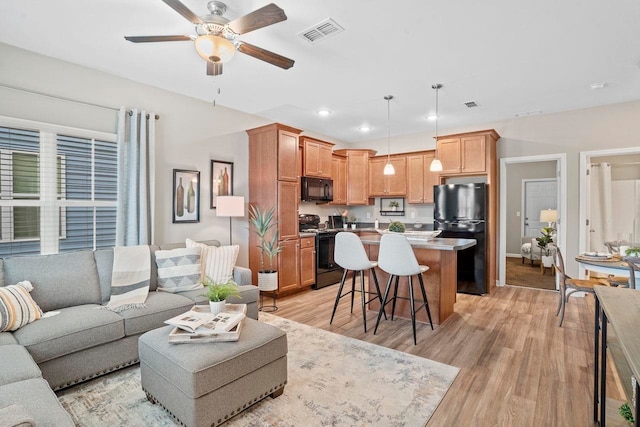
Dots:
(316, 189)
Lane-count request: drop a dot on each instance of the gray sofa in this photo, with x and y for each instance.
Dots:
(81, 342)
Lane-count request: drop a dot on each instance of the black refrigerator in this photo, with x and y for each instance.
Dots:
(459, 212)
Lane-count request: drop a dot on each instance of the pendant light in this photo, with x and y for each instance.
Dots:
(388, 168)
(436, 164)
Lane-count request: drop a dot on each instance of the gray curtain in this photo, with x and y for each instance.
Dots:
(136, 166)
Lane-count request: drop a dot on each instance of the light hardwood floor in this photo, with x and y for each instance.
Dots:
(517, 367)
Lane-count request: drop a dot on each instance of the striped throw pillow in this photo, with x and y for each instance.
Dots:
(217, 261)
(178, 270)
(17, 308)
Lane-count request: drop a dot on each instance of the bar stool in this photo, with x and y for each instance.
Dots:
(349, 254)
(396, 257)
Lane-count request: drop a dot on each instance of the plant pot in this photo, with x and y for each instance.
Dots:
(547, 261)
(267, 280)
(217, 306)
(394, 208)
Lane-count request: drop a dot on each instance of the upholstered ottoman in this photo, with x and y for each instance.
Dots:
(205, 384)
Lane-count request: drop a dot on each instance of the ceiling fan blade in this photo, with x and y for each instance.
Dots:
(267, 15)
(184, 11)
(214, 68)
(265, 55)
(150, 39)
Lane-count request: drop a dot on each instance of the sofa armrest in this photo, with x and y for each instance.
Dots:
(16, 416)
(242, 275)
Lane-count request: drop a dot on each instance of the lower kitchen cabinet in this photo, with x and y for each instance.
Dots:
(289, 265)
(307, 261)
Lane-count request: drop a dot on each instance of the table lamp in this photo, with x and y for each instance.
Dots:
(549, 216)
(231, 206)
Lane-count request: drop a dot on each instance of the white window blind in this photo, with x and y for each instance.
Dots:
(58, 190)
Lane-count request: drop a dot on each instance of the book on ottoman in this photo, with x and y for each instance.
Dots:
(199, 325)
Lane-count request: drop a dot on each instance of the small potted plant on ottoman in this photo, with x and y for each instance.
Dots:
(218, 293)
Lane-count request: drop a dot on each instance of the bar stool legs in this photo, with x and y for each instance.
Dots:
(363, 293)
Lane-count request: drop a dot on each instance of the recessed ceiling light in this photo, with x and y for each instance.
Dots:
(599, 85)
(364, 128)
(324, 112)
(432, 117)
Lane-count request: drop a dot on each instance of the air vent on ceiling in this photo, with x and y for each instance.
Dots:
(321, 31)
(471, 104)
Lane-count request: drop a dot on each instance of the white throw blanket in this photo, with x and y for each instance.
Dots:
(130, 278)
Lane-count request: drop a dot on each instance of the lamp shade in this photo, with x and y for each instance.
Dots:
(214, 48)
(230, 206)
(389, 169)
(548, 215)
(436, 165)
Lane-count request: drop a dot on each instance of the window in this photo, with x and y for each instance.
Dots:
(58, 189)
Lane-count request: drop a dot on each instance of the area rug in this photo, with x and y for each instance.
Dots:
(332, 381)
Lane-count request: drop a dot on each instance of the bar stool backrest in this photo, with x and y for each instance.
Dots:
(634, 267)
(396, 256)
(349, 252)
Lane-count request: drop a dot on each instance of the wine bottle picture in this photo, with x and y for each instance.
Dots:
(225, 182)
(191, 198)
(180, 199)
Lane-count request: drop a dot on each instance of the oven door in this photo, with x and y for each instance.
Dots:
(327, 271)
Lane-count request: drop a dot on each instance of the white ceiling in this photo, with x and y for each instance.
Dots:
(509, 56)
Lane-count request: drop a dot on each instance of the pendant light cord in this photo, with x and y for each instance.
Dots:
(388, 98)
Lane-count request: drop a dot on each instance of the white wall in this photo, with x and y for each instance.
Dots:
(191, 132)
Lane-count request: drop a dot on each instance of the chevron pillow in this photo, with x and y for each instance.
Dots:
(178, 269)
(17, 308)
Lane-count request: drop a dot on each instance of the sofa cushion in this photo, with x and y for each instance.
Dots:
(16, 416)
(46, 411)
(7, 338)
(160, 307)
(217, 261)
(17, 308)
(73, 329)
(61, 280)
(104, 265)
(20, 363)
(178, 269)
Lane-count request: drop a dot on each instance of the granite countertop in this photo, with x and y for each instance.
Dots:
(441, 244)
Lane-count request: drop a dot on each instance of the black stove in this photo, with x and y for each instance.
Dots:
(327, 271)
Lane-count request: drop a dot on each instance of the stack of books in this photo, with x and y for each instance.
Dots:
(198, 325)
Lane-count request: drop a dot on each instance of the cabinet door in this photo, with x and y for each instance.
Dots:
(449, 154)
(307, 261)
(358, 179)
(324, 161)
(397, 183)
(317, 159)
(289, 265)
(288, 210)
(415, 178)
(339, 176)
(430, 178)
(473, 155)
(377, 182)
(287, 156)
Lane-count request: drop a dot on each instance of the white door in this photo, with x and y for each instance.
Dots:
(538, 195)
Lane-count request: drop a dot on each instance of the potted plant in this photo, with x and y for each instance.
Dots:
(543, 243)
(393, 205)
(397, 227)
(633, 251)
(219, 292)
(263, 224)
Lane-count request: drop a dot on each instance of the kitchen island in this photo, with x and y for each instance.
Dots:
(440, 281)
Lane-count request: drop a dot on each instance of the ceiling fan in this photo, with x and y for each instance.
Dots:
(217, 37)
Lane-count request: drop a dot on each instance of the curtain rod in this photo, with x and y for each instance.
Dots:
(48, 95)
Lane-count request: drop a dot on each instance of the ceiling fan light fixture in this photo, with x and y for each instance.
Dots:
(214, 48)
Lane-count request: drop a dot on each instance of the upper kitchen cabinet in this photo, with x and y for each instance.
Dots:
(339, 176)
(357, 176)
(316, 157)
(467, 153)
(381, 185)
(420, 180)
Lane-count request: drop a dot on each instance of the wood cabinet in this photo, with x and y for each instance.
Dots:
(289, 265)
(307, 261)
(357, 176)
(388, 185)
(339, 176)
(420, 180)
(465, 154)
(316, 157)
(273, 182)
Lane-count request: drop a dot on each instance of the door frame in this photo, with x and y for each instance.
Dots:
(561, 176)
(585, 160)
(523, 198)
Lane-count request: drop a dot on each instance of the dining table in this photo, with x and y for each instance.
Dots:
(613, 266)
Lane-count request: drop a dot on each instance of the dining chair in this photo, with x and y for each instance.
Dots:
(633, 262)
(569, 285)
(349, 254)
(396, 258)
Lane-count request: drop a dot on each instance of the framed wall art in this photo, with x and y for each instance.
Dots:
(186, 196)
(221, 180)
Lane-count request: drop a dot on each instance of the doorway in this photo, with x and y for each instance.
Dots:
(546, 176)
